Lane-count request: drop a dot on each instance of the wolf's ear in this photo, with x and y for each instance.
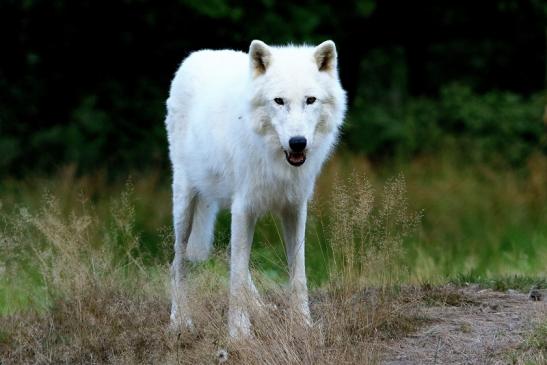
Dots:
(261, 57)
(325, 56)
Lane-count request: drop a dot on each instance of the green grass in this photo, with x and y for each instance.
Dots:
(533, 351)
(84, 263)
(480, 224)
(521, 283)
(538, 339)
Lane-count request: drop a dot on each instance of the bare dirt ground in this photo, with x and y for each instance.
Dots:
(487, 327)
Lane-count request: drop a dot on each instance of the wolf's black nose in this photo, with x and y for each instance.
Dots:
(297, 144)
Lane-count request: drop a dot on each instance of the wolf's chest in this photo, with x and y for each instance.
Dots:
(271, 192)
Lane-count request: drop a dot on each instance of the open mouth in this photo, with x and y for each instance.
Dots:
(295, 158)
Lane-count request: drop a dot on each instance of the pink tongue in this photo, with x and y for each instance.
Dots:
(296, 157)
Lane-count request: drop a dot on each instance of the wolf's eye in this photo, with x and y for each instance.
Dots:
(279, 101)
(310, 100)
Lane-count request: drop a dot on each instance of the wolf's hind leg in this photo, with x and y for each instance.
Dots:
(183, 207)
(203, 225)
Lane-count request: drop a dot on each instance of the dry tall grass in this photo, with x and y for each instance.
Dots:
(104, 304)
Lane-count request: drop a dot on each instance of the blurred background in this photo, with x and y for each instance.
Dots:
(449, 93)
(84, 82)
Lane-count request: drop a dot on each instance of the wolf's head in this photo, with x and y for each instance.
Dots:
(297, 99)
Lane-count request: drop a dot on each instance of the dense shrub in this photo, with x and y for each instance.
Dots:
(495, 125)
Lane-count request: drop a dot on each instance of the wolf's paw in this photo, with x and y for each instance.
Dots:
(302, 313)
(239, 325)
(179, 324)
(261, 306)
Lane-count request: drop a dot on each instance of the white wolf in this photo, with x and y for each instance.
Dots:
(249, 132)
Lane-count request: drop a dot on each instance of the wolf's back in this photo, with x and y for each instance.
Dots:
(203, 83)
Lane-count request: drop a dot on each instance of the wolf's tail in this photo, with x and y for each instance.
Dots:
(202, 233)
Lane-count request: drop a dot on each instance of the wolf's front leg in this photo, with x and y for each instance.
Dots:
(242, 229)
(294, 229)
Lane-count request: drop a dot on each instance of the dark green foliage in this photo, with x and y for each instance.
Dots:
(491, 126)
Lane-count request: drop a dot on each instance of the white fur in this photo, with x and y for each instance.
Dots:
(227, 139)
